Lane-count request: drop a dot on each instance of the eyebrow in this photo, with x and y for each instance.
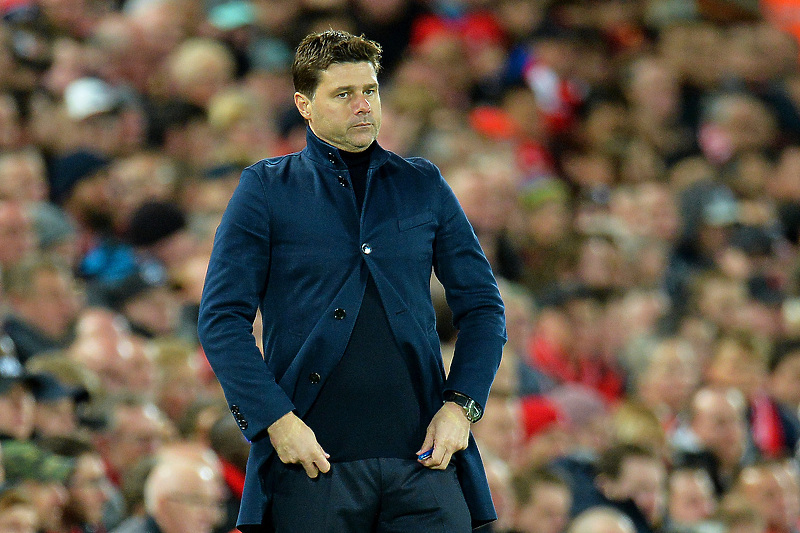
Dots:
(351, 87)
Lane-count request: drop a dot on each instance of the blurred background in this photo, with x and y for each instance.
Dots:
(631, 168)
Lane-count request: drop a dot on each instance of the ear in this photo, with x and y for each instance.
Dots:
(303, 104)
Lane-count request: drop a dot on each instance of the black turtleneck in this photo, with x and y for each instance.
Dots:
(358, 165)
(368, 406)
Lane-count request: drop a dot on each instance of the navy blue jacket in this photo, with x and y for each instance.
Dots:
(291, 243)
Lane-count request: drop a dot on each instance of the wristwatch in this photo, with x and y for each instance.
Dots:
(472, 410)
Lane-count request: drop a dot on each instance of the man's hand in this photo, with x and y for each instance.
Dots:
(294, 442)
(447, 433)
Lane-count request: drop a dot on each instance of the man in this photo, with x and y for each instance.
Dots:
(601, 520)
(717, 437)
(17, 512)
(16, 233)
(335, 246)
(41, 476)
(761, 484)
(44, 305)
(691, 499)
(182, 495)
(56, 411)
(17, 400)
(135, 429)
(631, 479)
(88, 488)
(543, 502)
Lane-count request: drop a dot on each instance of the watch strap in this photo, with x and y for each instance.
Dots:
(472, 410)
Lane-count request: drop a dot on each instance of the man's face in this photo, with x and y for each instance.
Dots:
(784, 382)
(547, 511)
(762, 488)
(20, 518)
(691, 497)
(56, 417)
(720, 426)
(195, 508)
(641, 479)
(49, 498)
(16, 234)
(345, 111)
(88, 488)
(17, 407)
(52, 303)
(138, 434)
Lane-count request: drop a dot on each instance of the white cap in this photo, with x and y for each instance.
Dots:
(85, 97)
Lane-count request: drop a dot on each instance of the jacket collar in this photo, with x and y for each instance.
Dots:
(328, 155)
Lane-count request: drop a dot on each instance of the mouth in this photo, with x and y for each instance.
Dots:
(363, 125)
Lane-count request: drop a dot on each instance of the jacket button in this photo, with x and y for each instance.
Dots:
(314, 378)
(343, 182)
(331, 158)
(366, 248)
(235, 409)
(243, 424)
(339, 313)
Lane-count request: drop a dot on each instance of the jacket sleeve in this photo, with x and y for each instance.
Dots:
(473, 296)
(235, 282)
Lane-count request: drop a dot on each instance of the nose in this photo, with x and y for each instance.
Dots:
(362, 105)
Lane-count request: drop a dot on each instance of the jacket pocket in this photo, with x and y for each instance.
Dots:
(415, 220)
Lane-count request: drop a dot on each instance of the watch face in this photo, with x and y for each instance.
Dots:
(473, 413)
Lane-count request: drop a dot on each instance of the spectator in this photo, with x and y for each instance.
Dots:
(691, 498)
(634, 423)
(543, 501)
(739, 516)
(589, 430)
(601, 520)
(632, 480)
(135, 429)
(740, 363)
(88, 488)
(226, 441)
(500, 431)
(44, 303)
(56, 407)
(717, 437)
(145, 300)
(760, 485)
(56, 232)
(178, 384)
(17, 401)
(670, 375)
(23, 176)
(41, 476)
(181, 496)
(784, 371)
(158, 231)
(16, 234)
(17, 512)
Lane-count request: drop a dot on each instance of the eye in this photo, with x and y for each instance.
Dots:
(342, 94)
(369, 92)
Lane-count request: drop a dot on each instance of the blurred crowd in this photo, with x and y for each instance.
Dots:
(631, 168)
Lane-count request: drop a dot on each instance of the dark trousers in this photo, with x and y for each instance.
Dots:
(369, 496)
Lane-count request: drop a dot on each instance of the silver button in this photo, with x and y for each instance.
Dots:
(366, 248)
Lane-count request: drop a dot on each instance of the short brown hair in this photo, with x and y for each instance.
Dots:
(611, 461)
(525, 483)
(318, 51)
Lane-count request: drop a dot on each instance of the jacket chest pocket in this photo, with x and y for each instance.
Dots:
(405, 224)
(415, 240)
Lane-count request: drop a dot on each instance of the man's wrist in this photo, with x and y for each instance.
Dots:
(472, 411)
